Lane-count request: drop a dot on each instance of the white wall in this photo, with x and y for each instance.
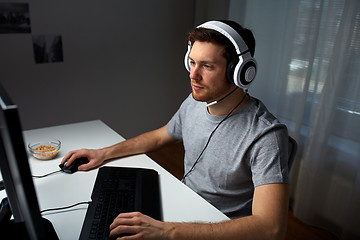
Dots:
(123, 63)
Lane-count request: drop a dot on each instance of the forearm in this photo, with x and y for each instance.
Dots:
(132, 146)
(143, 143)
(144, 227)
(269, 220)
(250, 228)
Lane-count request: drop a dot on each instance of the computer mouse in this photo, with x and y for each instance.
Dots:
(73, 167)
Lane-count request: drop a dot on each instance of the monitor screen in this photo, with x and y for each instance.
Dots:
(15, 171)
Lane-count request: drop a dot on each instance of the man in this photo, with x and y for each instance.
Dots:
(235, 150)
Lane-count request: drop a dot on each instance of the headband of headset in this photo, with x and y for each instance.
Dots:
(240, 71)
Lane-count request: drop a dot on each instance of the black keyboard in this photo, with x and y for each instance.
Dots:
(118, 190)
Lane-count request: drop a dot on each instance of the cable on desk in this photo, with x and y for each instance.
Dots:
(47, 174)
(62, 208)
(2, 185)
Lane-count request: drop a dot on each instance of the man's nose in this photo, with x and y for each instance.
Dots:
(194, 73)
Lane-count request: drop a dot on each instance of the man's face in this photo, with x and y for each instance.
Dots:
(208, 72)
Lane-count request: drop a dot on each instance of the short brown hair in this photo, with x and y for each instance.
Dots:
(209, 35)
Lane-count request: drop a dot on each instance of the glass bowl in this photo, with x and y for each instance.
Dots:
(46, 149)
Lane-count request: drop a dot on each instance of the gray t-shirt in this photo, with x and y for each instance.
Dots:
(248, 149)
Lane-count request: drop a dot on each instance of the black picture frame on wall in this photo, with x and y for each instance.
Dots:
(14, 18)
(48, 48)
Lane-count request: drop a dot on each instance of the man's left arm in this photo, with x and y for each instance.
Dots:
(268, 221)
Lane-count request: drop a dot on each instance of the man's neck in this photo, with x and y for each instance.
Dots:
(227, 104)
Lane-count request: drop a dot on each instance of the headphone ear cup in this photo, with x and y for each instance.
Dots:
(186, 59)
(245, 74)
(230, 70)
(248, 73)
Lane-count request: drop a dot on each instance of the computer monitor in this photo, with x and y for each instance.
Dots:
(27, 221)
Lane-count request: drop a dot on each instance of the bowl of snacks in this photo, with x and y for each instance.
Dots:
(46, 149)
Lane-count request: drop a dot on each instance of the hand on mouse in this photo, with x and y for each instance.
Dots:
(93, 155)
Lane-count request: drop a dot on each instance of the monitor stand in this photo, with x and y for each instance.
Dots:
(18, 230)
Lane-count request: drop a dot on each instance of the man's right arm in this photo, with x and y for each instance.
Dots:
(143, 143)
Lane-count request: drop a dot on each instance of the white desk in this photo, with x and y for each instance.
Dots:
(180, 204)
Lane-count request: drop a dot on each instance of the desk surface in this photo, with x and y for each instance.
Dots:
(180, 204)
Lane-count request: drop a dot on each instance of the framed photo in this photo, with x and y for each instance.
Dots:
(47, 48)
(14, 18)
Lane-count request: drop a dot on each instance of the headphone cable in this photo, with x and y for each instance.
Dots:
(211, 134)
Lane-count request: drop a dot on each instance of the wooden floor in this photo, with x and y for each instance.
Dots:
(171, 158)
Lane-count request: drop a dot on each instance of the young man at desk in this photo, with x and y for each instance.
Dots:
(235, 150)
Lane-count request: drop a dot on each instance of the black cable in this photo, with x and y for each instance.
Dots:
(212, 133)
(226, 95)
(41, 176)
(62, 208)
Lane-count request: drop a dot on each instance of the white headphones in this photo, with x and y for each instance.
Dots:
(240, 71)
